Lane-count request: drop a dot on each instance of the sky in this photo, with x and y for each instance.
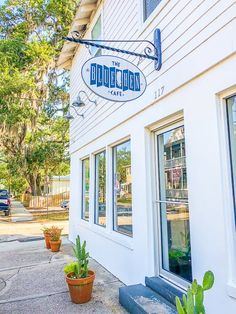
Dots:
(2, 1)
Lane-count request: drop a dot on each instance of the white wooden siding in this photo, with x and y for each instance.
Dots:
(195, 36)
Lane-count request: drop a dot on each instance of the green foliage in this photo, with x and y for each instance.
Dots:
(80, 267)
(46, 229)
(10, 180)
(175, 254)
(33, 93)
(193, 303)
(71, 268)
(208, 280)
(55, 233)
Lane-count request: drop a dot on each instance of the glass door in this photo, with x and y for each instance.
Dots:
(175, 248)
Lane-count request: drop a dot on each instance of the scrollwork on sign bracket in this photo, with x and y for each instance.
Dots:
(75, 34)
(153, 53)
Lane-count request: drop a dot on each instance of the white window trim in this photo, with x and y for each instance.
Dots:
(124, 140)
(227, 189)
(82, 187)
(95, 187)
(107, 232)
(143, 25)
(113, 236)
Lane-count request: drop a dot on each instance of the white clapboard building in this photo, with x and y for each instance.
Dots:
(153, 152)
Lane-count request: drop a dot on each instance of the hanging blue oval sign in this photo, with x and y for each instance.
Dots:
(113, 78)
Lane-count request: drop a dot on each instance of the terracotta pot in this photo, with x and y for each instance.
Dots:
(55, 245)
(47, 240)
(80, 289)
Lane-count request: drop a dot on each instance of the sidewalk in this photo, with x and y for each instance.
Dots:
(19, 212)
(11, 230)
(32, 281)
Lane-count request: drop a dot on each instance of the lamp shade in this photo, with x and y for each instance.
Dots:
(78, 102)
(69, 116)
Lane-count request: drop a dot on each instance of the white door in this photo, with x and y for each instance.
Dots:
(172, 205)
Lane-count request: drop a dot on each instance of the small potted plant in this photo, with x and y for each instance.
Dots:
(78, 277)
(46, 233)
(55, 241)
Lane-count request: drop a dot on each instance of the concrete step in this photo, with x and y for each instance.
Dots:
(138, 299)
(163, 288)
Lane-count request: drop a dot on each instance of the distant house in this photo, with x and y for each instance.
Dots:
(59, 184)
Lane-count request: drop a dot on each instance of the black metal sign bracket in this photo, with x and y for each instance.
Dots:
(151, 51)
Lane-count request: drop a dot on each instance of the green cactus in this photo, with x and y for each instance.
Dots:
(80, 267)
(193, 302)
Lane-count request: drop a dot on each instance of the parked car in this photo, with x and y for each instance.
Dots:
(5, 202)
(65, 204)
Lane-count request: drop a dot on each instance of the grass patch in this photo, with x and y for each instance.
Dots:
(58, 216)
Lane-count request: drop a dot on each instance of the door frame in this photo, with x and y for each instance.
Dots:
(159, 271)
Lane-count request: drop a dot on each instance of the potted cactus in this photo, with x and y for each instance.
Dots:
(193, 302)
(55, 241)
(78, 277)
(46, 233)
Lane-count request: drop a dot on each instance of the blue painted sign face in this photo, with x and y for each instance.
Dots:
(113, 78)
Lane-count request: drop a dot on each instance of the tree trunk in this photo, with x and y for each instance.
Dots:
(38, 185)
(35, 184)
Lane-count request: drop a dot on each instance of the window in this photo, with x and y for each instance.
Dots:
(122, 188)
(96, 34)
(231, 113)
(149, 6)
(100, 189)
(173, 200)
(85, 188)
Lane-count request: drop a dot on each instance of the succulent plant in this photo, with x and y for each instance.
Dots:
(80, 267)
(193, 302)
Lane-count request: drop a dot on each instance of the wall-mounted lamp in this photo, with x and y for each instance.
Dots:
(69, 116)
(79, 102)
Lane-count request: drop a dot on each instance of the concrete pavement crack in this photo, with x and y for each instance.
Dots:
(4, 282)
(37, 296)
(50, 258)
(32, 265)
(18, 270)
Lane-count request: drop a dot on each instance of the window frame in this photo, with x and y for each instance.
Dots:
(145, 18)
(83, 203)
(96, 190)
(173, 123)
(227, 184)
(143, 24)
(232, 170)
(98, 51)
(114, 217)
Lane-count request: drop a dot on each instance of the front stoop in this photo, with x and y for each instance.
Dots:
(163, 288)
(138, 299)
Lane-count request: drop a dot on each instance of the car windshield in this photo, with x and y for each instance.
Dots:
(3, 194)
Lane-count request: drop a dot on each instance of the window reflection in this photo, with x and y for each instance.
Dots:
(175, 232)
(100, 188)
(96, 35)
(122, 188)
(149, 7)
(231, 112)
(85, 188)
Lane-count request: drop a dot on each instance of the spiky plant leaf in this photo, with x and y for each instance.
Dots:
(179, 306)
(208, 280)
